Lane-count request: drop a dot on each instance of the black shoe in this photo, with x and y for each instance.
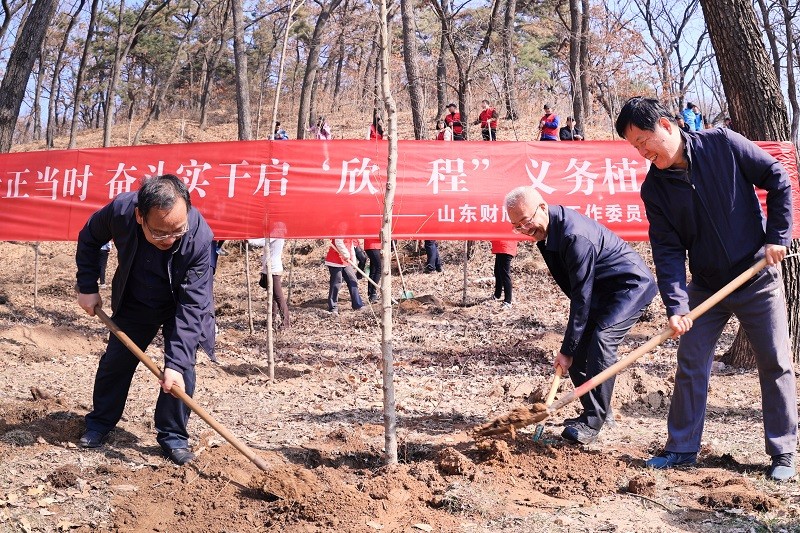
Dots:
(262, 281)
(92, 439)
(179, 456)
(580, 433)
(373, 299)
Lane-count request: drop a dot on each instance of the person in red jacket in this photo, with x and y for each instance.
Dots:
(504, 252)
(548, 125)
(372, 249)
(453, 120)
(376, 128)
(488, 121)
(339, 260)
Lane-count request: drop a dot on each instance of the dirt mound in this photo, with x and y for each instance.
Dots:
(636, 388)
(721, 490)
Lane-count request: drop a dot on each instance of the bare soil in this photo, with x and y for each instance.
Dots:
(457, 364)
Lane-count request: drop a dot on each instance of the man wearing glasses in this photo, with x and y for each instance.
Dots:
(608, 285)
(164, 280)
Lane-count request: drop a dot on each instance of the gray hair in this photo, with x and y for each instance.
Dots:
(525, 193)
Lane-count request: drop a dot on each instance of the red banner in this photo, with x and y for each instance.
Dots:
(245, 189)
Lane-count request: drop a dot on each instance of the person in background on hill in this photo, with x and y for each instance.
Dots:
(699, 121)
(279, 134)
(375, 132)
(700, 201)
(453, 121)
(104, 251)
(488, 121)
(682, 123)
(548, 125)
(339, 260)
(608, 285)
(163, 281)
(504, 252)
(218, 248)
(279, 304)
(570, 131)
(321, 130)
(443, 131)
(689, 116)
(372, 251)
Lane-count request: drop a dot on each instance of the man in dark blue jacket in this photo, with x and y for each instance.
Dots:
(700, 200)
(608, 285)
(164, 280)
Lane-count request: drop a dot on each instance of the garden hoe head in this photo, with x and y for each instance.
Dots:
(522, 416)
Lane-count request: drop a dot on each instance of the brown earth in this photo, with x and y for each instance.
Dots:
(319, 425)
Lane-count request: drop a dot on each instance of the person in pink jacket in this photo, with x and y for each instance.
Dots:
(504, 252)
(341, 256)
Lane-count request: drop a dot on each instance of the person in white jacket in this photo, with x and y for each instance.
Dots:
(276, 270)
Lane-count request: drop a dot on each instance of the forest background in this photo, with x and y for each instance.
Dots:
(115, 64)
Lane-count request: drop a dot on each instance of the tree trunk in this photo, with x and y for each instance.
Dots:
(411, 59)
(574, 57)
(583, 61)
(757, 107)
(211, 68)
(312, 62)
(79, 91)
(441, 74)
(165, 85)
(771, 39)
(791, 80)
(293, 7)
(791, 287)
(37, 98)
(20, 63)
(751, 87)
(509, 69)
(244, 120)
(389, 407)
(51, 107)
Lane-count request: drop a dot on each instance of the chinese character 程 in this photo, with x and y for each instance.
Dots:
(448, 169)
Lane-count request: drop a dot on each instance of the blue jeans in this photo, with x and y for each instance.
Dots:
(337, 273)
(432, 252)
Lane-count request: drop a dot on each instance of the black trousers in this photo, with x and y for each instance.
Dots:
(113, 381)
(502, 276)
(375, 270)
(432, 253)
(597, 350)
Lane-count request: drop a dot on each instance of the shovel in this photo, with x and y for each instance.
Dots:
(369, 279)
(180, 394)
(537, 434)
(407, 295)
(521, 417)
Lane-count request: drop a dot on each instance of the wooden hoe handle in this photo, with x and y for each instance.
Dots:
(181, 394)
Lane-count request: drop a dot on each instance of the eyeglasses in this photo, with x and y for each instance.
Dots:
(158, 236)
(523, 227)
